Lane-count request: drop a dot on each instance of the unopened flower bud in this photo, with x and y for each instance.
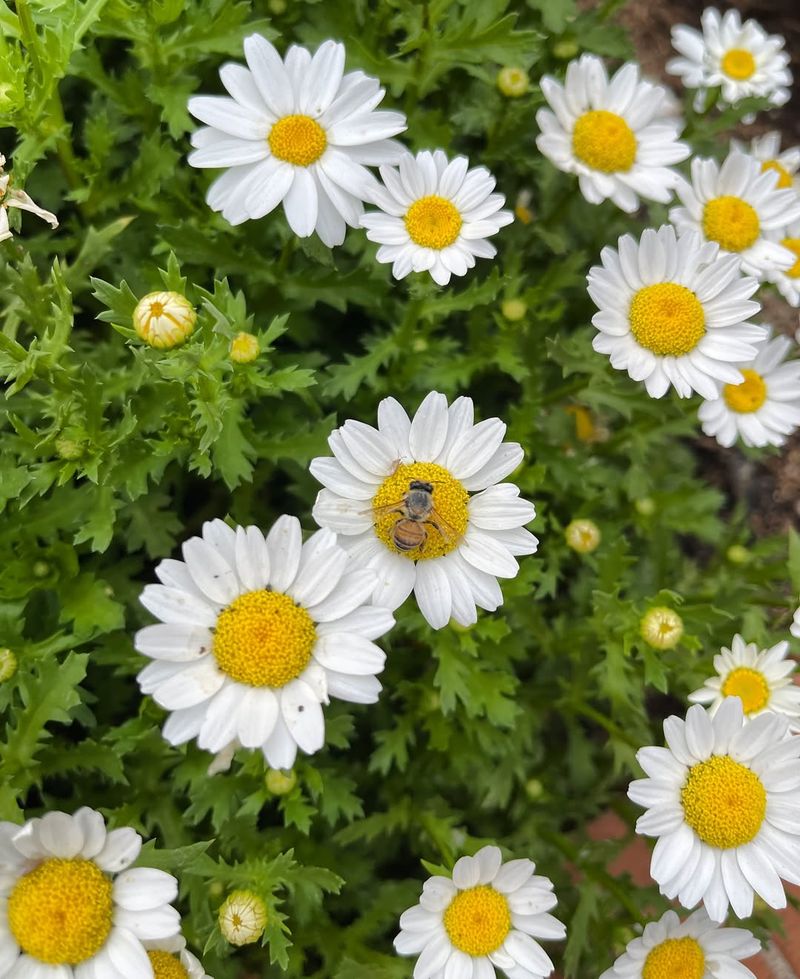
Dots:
(40, 569)
(566, 48)
(661, 628)
(583, 536)
(244, 348)
(280, 783)
(514, 310)
(8, 664)
(242, 918)
(522, 208)
(737, 554)
(513, 82)
(645, 506)
(70, 449)
(164, 319)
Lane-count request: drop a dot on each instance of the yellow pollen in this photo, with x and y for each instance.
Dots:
(750, 686)
(604, 141)
(263, 639)
(723, 802)
(433, 222)
(676, 958)
(440, 531)
(731, 222)
(297, 139)
(793, 244)
(167, 966)
(478, 920)
(738, 64)
(61, 912)
(747, 396)
(667, 319)
(784, 177)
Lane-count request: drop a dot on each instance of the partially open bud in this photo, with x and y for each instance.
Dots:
(8, 664)
(242, 918)
(513, 82)
(244, 348)
(522, 208)
(661, 628)
(583, 536)
(164, 319)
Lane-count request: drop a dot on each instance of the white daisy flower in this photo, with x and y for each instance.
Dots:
(256, 633)
(435, 216)
(767, 150)
(295, 130)
(487, 916)
(764, 408)
(69, 907)
(673, 312)
(11, 197)
(788, 280)
(399, 496)
(740, 58)
(694, 949)
(739, 207)
(794, 628)
(724, 801)
(171, 959)
(760, 678)
(619, 135)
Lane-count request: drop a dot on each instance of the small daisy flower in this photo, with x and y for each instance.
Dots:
(435, 216)
(399, 496)
(164, 319)
(171, 959)
(615, 135)
(673, 312)
(740, 58)
(11, 197)
(694, 949)
(724, 801)
(767, 150)
(788, 280)
(242, 918)
(488, 915)
(764, 408)
(69, 905)
(739, 207)
(256, 634)
(297, 131)
(760, 678)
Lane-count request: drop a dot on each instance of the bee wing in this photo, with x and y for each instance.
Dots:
(448, 531)
(381, 511)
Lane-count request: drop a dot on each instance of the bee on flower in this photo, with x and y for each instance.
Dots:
(296, 131)
(419, 502)
(11, 197)
(618, 135)
(739, 58)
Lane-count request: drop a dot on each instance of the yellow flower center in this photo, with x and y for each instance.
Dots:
(433, 222)
(420, 523)
(263, 639)
(750, 686)
(738, 64)
(61, 912)
(784, 177)
(167, 966)
(604, 141)
(731, 222)
(478, 920)
(676, 958)
(297, 139)
(793, 244)
(667, 319)
(747, 396)
(723, 802)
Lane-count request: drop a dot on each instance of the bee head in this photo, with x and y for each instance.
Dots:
(417, 484)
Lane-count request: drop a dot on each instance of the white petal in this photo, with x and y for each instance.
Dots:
(121, 848)
(143, 888)
(303, 716)
(284, 542)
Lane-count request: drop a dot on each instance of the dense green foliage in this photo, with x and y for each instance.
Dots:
(519, 730)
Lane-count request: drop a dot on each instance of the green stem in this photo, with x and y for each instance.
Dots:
(564, 391)
(612, 729)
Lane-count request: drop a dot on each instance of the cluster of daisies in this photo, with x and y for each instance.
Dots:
(301, 132)
(675, 305)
